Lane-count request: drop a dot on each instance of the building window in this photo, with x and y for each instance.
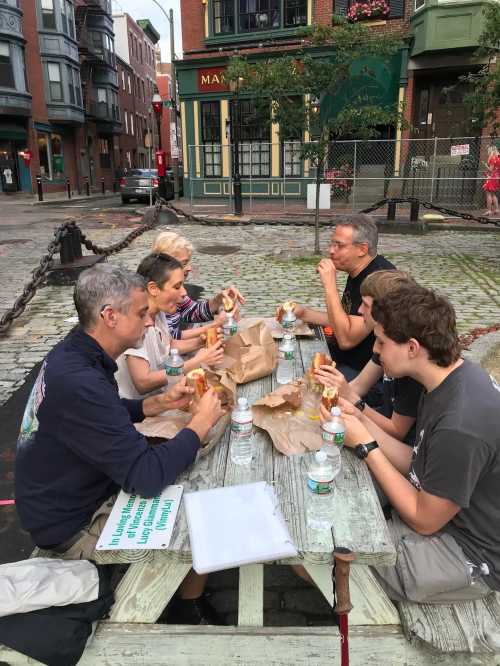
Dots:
(123, 79)
(104, 156)
(55, 85)
(77, 86)
(71, 87)
(48, 14)
(6, 70)
(71, 20)
(211, 138)
(132, 124)
(126, 122)
(419, 4)
(295, 13)
(258, 15)
(292, 158)
(50, 155)
(223, 16)
(129, 85)
(64, 16)
(254, 145)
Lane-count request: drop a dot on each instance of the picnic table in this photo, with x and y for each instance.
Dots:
(359, 525)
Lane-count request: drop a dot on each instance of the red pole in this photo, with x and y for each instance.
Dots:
(343, 559)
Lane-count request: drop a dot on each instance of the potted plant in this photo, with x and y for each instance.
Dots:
(365, 11)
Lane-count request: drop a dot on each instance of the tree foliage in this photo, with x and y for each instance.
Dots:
(483, 97)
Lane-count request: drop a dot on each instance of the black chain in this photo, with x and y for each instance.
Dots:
(430, 206)
(38, 274)
(54, 246)
(121, 245)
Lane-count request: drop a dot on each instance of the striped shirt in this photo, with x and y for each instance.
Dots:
(188, 311)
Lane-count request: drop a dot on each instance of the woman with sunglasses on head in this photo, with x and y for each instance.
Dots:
(190, 311)
(140, 370)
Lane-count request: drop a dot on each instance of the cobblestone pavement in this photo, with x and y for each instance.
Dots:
(272, 264)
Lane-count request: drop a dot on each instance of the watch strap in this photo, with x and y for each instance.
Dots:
(362, 450)
(360, 404)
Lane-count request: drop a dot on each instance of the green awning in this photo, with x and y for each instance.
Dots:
(11, 131)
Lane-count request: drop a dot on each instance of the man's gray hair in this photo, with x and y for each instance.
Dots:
(102, 285)
(364, 230)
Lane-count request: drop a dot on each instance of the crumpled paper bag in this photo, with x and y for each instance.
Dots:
(251, 353)
(290, 415)
(301, 328)
(167, 425)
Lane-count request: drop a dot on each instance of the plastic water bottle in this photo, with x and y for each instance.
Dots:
(242, 441)
(173, 366)
(319, 505)
(332, 435)
(288, 321)
(285, 372)
(229, 327)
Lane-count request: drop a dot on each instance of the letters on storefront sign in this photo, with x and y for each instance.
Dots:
(212, 79)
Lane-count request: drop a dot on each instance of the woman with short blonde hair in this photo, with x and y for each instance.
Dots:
(190, 311)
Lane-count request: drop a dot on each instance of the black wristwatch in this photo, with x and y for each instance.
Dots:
(360, 404)
(362, 450)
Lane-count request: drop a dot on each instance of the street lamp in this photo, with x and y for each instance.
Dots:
(234, 86)
(175, 156)
(157, 104)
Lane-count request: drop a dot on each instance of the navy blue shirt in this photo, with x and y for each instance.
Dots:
(78, 445)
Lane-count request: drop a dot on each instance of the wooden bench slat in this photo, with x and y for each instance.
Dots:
(469, 626)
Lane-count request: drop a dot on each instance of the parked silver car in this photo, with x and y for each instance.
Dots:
(137, 183)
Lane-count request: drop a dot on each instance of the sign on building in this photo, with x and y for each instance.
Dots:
(174, 148)
(211, 79)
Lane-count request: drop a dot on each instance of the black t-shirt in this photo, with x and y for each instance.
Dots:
(402, 394)
(457, 456)
(358, 356)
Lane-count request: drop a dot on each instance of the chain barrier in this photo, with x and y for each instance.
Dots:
(430, 206)
(54, 246)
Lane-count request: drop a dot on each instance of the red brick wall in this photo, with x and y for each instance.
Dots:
(323, 12)
(162, 81)
(193, 24)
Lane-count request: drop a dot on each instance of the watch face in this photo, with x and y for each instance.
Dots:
(361, 451)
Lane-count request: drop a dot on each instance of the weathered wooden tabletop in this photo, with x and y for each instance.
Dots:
(359, 524)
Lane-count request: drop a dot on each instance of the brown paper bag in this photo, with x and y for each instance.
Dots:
(253, 353)
(291, 417)
(167, 425)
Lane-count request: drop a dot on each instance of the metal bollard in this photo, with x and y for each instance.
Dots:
(103, 189)
(68, 188)
(66, 250)
(76, 242)
(414, 206)
(114, 186)
(391, 211)
(87, 186)
(39, 188)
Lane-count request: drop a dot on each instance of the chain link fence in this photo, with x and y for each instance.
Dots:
(445, 171)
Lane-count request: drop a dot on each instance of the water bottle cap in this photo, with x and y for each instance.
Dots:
(242, 403)
(174, 351)
(287, 337)
(335, 411)
(320, 456)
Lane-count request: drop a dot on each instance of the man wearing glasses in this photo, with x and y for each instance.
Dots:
(353, 250)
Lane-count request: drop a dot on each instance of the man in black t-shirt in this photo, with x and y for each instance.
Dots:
(353, 250)
(444, 490)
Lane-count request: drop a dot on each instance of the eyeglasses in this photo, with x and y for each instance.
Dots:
(341, 246)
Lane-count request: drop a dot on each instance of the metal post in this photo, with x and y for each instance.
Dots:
(68, 188)
(284, 176)
(39, 188)
(391, 211)
(354, 167)
(162, 187)
(87, 186)
(433, 167)
(238, 204)
(103, 189)
(175, 160)
(251, 189)
(414, 206)
(191, 175)
(66, 250)
(76, 241)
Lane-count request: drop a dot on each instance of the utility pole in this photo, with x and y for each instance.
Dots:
(175, 160)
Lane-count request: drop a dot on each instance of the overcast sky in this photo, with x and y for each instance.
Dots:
(139, 9)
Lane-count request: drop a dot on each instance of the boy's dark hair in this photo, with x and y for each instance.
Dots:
(420, 313)
(157, 267)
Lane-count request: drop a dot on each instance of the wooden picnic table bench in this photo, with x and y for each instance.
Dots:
(153, 576)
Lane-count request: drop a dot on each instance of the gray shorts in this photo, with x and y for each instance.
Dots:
(429, 569)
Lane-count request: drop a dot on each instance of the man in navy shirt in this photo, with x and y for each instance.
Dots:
(78, 445)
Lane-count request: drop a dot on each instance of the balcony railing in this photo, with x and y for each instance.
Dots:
(104, 111)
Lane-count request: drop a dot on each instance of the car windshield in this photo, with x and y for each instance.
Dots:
(143, 173)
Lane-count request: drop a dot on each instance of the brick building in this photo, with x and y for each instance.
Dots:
(135, 48)
(215, 30)
(164, 85)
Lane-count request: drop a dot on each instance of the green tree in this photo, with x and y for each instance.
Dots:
(293, 89)
(483, 96)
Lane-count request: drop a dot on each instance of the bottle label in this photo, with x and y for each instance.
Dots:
(241, 428)
(287, 355)
(230, 330)
(288, 324)
(332, 437)
(339, 438)
(173, 371)
(319, 487)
